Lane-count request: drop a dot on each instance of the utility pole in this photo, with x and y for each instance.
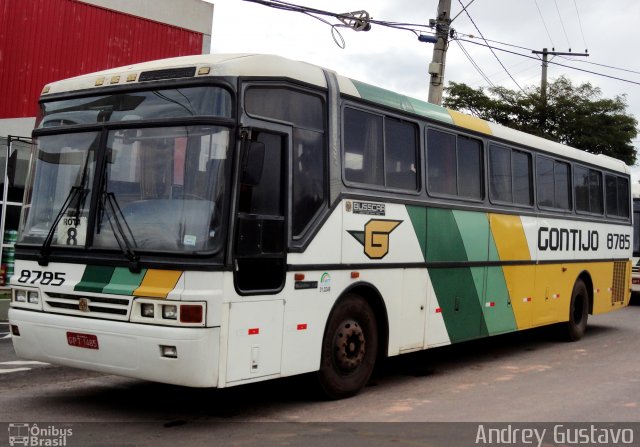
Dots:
(543, 81)
(545, 63)
(436, 67)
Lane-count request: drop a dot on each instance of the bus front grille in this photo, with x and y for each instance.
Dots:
(88, 306)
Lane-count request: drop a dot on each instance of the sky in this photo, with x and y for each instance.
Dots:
(396, 60)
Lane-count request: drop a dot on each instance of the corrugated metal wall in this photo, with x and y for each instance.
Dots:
(45, 40)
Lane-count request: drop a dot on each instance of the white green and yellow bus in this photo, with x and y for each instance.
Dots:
(217, 220)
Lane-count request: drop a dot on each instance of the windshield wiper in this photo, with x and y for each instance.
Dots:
(75, 192)
(121, 230)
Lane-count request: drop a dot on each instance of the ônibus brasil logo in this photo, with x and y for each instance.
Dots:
(375, 237)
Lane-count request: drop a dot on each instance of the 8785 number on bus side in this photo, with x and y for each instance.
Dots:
(618, 241)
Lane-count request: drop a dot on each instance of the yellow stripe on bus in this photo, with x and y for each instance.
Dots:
(509, 236)
(158, 283)
(470, 122)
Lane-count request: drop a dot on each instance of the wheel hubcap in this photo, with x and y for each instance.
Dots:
(349, 345)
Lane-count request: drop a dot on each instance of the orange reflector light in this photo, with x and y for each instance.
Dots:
(190, 313)
(355, 275)
(254, 331)
(99, 81)
(302, 327)
(299, 276)
(115, 79)
(132, 77)
(438, 310)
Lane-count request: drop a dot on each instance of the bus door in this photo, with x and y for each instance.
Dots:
(260, 233)
(259, 257)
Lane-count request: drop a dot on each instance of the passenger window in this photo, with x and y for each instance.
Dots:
(588, 190)
(363, 151)
(522, 176)
(380, 150)
(441, 162)
(553, 183)
(510, 175)
(454, 164)
(617, 189)
(401, 144)
(308, 189)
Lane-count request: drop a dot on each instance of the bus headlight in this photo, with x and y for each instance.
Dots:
(33, 297)
(20, 296)
(169, 312)
(147, 310)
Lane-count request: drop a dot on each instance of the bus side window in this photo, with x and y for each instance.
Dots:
(400, 154)
(363, 147)
(308, 177)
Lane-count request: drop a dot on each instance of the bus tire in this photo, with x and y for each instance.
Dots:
(578, 312)
(349, 348)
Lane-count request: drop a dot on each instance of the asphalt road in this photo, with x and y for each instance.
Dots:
(524, 377)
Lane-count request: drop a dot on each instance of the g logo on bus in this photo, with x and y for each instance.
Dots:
(83, 305)
(375, 237)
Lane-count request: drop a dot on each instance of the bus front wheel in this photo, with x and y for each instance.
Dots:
(349, 348)
(578, 312)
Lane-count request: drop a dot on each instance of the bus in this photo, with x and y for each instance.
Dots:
(218, 220)
(635, 269)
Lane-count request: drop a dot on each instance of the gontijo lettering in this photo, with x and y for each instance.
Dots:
(564, 239)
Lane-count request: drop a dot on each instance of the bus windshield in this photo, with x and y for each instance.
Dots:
(157, 189)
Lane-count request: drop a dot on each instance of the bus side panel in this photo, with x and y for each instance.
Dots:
(255, 339)
(511, 245)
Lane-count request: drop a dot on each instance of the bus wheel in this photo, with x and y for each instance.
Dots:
(578, 312)
(349, 348)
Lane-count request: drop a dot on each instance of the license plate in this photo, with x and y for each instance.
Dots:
(88, 341)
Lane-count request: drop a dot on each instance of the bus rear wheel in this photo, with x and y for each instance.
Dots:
(349, 348)
(578, 312)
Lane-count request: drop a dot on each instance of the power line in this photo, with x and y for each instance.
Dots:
(544, 23)
(562, 24)
(554, 63)
(580, 23)
(607, 66)
(494, 54)
(475, 65)
(464, 8)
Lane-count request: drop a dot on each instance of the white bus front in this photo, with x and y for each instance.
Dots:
(123, 231)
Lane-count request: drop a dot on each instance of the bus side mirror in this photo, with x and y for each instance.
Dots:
(253, 163)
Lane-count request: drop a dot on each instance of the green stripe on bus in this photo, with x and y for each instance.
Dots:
(498, 312)
(123, 282)
(418, 216)
(458, 299)
(402, 102)
(94, 279)
(444, 242)
(474, 231)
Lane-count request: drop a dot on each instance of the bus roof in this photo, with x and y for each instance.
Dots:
(276, 66)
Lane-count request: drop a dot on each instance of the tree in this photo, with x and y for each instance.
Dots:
(574, 115)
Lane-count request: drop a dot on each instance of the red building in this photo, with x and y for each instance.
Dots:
(46, 40)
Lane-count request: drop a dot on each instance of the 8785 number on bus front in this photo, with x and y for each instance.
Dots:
(42, 278)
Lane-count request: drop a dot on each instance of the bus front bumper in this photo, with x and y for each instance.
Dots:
(123, 348)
